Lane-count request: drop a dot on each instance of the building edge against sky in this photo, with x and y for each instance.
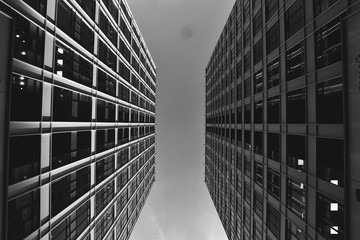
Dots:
(282, 120)
(77, 126)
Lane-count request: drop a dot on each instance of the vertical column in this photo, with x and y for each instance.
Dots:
(352, 88)
(6, 26)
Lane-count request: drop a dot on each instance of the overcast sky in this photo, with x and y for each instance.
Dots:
(181, 35)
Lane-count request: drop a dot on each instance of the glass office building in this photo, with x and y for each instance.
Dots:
(77, 121)
(282, 122)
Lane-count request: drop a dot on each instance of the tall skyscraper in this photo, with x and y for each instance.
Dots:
(282, 120)
(77, 121)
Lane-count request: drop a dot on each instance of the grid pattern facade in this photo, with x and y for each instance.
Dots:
(275, 158)
(81, 130)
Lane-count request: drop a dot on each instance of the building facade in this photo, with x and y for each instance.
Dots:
(77, 127)
(282, 122)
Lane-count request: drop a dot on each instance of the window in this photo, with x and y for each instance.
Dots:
(273, 74)
(122, 180)
(247, 36)
(328, 44)
(293, 232)
(71, 106)
(273, 109)
(321, 5)
(107, 56)
(273, 220)
(73, 25)
(295, 62)
(258, 112)
(39, 6)
(247, 115)
(330, 93)
(124, 92)
(329, 221)
(124, 29)
(246, 11)
(25, 163)
(273, 38)
(68, 189)
(26, 99)
(330, 160)
(124, 50)
(24, 215)
(105, 139)
(103, 197)
(74, 224)
(258, 51)
(296, 198)
(257, 22)
(112, 8)
(71, 65)
(106, 83)
(247, 139)
(123, 135)
(104, 168)
(258, 173)
(296, 152)
(88, 6)
(258, 142)
(28, 42)
(104, 224)
(271, 6)
(273, 181)
(105, 111)
(273, 146)
(69, 147)
(296, 106)
(238, 69)
(258, 203)
(294, 19)
(247, 88)
(107, 28)
(239, 115)
(247, 192)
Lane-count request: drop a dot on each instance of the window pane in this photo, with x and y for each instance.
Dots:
(296, 152)
(24, 215)
(330, 160)
(71, 106)
(295, 62)
(328, 44)
(71, 65)
(296, 106)
(294, 19)
(28, 42)
(26, 99)
(330, 93)
(68, 189)
(273, 74)
(273, 38)
(273, 108)
(25, 163)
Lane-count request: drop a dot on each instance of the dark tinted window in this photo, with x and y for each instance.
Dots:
(26, 99)
(24, 215)
(24, 158)
(295, 62)
(69, 147)
(68, 189)
(71, 65)
(296, 106)
(28, 42)
(272, 38)
(294, 19)
(330, 93)
(71, 106)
